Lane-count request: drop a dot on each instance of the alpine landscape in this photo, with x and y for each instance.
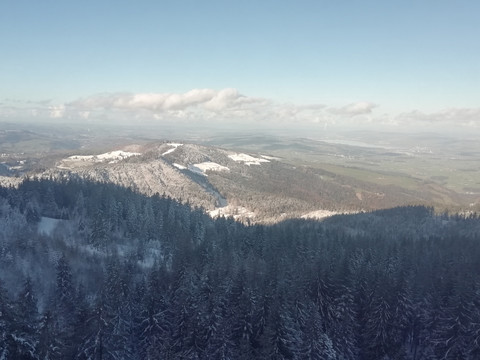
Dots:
(221, 180)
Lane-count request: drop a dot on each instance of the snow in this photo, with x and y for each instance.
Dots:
(321, 214)
(202, 168)
(205, 166)
(270, 157)
(111, 156)
(247, 159)
(7, 181)
(175, 145)
(232, 211)
(47, 225)
(178, 166)
(81, 157)
(117, 155)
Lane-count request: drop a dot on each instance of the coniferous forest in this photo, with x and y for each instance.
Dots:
(94, 271)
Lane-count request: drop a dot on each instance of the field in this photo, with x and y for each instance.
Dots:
(448, 168)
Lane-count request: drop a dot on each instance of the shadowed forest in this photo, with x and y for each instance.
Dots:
(91, 270)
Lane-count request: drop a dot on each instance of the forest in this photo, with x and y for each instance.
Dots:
(91, 270)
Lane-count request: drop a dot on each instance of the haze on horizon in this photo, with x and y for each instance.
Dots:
(309, 64)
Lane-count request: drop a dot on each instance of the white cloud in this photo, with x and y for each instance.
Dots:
(57, 111)
(223, 99)
(207, 98)
(354, 109)
(228, 106)
(197, 104)
(84, 114)
(452, 116)
(165, 101)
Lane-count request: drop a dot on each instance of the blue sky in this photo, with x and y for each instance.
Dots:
(288, 61)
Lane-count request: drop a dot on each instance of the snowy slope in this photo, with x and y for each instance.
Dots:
(202, 168)
(174, 147)
(83, 160)
(247, 159)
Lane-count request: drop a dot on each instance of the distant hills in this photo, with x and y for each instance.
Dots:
(262, 179)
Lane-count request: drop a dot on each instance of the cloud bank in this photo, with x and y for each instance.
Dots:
(207, 99)
(358, 108)
(213, 105)
(226, 106)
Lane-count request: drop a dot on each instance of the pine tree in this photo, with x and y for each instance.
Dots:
(6, 324)
(83, 312)
(281, 336)
(185, 297)
(217, 334)
(155, 320)
(453, 336)
(315, 343)
(64, 306)
(100, 232)
(93, 345)
(379, 333)
(50, 207)
(116, 314)
(49, 344)
(26, 323)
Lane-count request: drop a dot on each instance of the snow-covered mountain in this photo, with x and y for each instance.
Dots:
(181, 171)
(254, 187)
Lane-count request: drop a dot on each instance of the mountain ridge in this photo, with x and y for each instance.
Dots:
(260, 187)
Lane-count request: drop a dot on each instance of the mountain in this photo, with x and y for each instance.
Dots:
(115, 249)
(258, 187)
(253, 177)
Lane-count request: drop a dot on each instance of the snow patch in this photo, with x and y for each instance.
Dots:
(237, 212)
(319, 214)
(169, 151)
(116, 155)
(81, 157)
(178, 166)
(112, 156)
(270, 157)
(47, 225)
(322, 214)
(202, 168)
(247, 159)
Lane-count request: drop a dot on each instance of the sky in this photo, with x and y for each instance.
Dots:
(322, 63)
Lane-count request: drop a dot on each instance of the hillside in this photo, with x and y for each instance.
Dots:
(256, 178)
(250, 186)
(89, 268)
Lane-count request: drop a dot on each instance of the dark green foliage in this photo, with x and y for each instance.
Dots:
(126, 276)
